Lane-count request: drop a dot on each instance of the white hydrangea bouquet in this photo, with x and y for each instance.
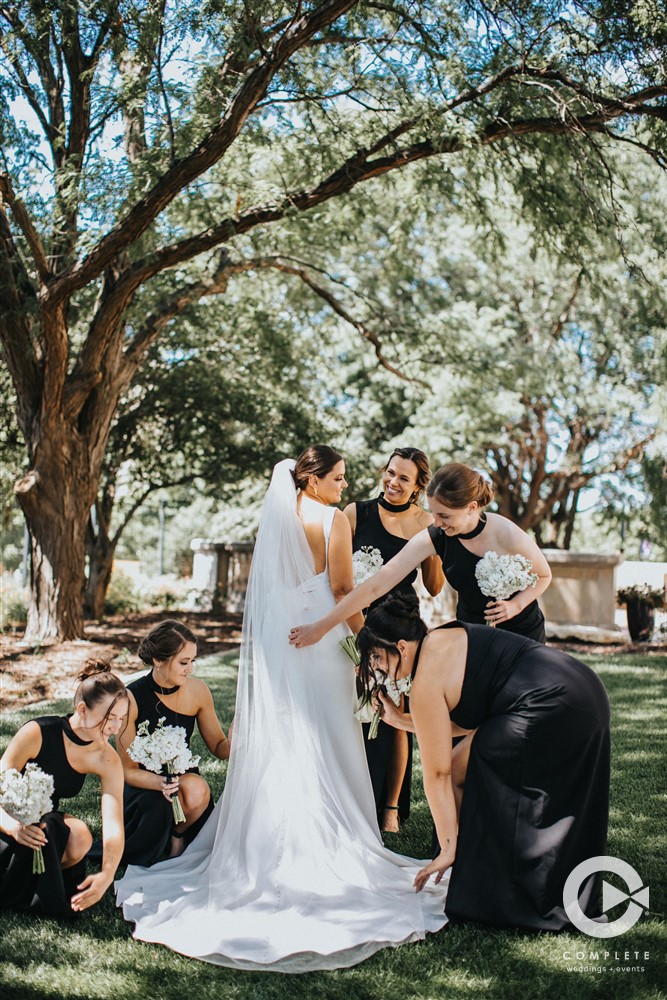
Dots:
(26, 797)
(366, 561)
(165, 748)
(500, 576)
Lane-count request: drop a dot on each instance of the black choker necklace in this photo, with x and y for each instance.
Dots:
(477, 530)
(394, 507)
(160, 690)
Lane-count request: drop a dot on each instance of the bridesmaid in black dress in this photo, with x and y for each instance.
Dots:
(68, 748)
(536, 796)
(387, 523)
(461, 534)
(168, 692)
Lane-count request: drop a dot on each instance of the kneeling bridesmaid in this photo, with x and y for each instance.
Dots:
(67, 748)
(167, 692)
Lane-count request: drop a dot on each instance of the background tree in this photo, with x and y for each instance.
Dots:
(549, 377)
(236, 117)
(217, 402)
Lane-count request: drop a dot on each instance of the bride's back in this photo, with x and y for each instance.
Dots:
(313, 516)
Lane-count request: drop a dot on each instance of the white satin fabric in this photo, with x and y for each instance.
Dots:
(290, 873)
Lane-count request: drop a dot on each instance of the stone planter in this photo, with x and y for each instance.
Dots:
(641, 620)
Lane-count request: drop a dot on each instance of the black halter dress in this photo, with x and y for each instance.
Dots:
(536, 794)
(49, 893)
(148, 814)
(371, 532)
(458, 565)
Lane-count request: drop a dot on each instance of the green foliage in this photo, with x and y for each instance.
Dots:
(157, 157)
(643, 594)
(13, 607)
(122, 596)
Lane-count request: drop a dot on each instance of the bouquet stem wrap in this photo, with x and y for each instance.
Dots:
(177, 808)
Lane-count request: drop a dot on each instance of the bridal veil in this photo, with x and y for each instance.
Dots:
(290, 873)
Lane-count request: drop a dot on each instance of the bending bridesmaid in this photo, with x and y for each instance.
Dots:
(387, 523)
(67, 748)
(527, 815)
(167, 692)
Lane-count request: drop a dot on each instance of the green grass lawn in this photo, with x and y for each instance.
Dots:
(97, 957)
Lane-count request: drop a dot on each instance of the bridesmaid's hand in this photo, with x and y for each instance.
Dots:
(91, 891)
(306, 635)
(438, 867)
(169, 786)
(390, 713)
(31, 836)
(500, 611)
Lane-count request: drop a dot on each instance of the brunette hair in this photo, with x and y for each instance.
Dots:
(395, 618)
(457, 485)
(317, 460)
(97, 682)
(164, 641)
(423, 468)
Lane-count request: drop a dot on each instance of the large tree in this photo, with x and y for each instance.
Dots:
(234, 117)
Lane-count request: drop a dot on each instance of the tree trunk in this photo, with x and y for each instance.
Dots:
(101, 552)
(55, 497)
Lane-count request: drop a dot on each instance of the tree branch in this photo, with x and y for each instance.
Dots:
(22, 352)
(26, 226)
(340, 310)
(209, 151)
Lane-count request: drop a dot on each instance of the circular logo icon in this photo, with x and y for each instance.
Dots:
(637, 897)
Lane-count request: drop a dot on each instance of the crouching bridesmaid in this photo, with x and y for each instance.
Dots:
(168, 692)
(67, 748)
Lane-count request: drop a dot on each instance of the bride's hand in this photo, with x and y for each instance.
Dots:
(438, 867)
(306, 635)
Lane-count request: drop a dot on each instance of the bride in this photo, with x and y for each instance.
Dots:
(290, 873)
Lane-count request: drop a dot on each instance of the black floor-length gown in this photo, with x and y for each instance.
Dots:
(370, 532)
(536, 796)
(148, 815)
(51, 892)
(458, 565)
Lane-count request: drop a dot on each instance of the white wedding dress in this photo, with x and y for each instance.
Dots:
(290, 873)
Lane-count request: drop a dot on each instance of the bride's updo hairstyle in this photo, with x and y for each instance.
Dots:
(318, 460)
(96, 683)
(456, 485)
(420, 460)
(394, 619)
(164, 641)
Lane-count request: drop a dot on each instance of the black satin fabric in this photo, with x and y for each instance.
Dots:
(148, 816)
(458, 565)
(50, 893)
(371, 532)
(536, 795)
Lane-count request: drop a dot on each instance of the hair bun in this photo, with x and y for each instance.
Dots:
(146, 651)
(92, 667)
